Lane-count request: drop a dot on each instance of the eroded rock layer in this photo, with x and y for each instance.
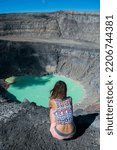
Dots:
(64, 43)
(56, 25)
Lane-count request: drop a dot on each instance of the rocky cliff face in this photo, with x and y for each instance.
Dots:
(77, 62)
(56, 25)
(64, 43)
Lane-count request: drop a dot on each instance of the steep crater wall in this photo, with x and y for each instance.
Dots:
(57, 25)
(77, 62)
(65, 43)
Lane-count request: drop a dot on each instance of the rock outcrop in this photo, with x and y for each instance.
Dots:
(26, 126)
(55, 25)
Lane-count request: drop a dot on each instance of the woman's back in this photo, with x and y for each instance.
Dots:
(61, 112)
(64, 115)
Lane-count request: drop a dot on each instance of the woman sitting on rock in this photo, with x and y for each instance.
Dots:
(61, 112)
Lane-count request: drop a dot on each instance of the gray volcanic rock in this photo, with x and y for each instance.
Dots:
(55, 25)
(26, 126)
(78, 61)
(64, 43)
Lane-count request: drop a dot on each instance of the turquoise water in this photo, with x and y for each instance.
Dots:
(37, 89)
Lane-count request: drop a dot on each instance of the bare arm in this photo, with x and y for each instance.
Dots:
(52, 104)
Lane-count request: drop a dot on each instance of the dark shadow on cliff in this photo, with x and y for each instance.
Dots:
(8, 96)
(19, 58)
(23, 58)
(82, 122)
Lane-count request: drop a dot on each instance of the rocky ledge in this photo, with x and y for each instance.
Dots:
(55, 25)
(25, 126)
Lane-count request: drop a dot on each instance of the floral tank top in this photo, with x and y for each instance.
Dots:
(64, 112)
